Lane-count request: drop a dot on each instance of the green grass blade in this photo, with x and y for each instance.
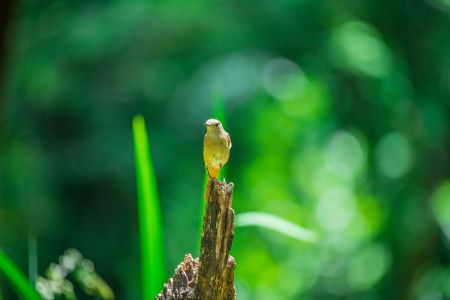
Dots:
(218, 112)
(277, 224)
(32, 258)
(202, 213)
(16, 278)
(151, 235)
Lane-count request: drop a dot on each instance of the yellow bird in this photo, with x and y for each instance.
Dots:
(216, 149)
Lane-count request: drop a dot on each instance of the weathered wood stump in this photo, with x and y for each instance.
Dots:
(210, 277)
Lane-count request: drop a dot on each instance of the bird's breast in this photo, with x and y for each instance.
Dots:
(216, 151)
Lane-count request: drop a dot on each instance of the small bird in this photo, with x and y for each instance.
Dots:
(216, 149)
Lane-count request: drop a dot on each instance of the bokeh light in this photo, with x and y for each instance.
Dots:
(367, 267)
(357, 46)
(394, 155)
(441, 207)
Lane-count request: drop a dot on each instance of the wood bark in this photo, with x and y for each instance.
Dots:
(210, 277)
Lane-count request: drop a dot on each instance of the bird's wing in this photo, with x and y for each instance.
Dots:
(228, 141)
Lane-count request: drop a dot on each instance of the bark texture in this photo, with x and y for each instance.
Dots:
(210, 277)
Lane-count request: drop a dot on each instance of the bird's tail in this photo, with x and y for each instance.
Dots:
(212, 173)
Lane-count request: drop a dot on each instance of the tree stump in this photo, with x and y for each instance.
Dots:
(210, 277)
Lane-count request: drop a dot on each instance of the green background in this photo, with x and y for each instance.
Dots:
(338, 113)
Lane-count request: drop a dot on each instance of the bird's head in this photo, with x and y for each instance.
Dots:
(213, 125)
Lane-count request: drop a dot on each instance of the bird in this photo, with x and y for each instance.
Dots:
(216, 149)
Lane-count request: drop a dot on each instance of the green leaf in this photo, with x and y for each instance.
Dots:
(151, 235)
(277, 224)
(16, 278)
(32, 257)
(218, 113)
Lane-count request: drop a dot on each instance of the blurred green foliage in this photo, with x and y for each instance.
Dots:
(56, 283)
(338, 113)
